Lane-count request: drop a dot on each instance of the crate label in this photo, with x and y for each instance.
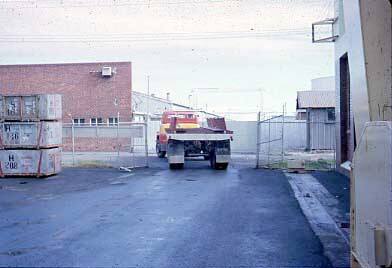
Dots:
(12, 105)
(11, 163)
(12, 134)
(29, 106)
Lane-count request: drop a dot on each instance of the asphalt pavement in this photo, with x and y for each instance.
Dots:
(156, 217)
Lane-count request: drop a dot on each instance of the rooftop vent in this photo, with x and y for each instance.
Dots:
(106, 71)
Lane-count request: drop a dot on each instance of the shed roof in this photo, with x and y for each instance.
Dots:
(315, 99)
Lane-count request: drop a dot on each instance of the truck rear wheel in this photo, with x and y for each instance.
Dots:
(176, 166)
(222, 166)
(160, 154)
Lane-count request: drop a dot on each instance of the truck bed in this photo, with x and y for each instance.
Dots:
(200, 130)
(206, 134)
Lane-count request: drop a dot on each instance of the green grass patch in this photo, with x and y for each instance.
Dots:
(92, 164)
(320, 164)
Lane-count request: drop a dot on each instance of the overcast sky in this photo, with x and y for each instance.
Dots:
(237, 46)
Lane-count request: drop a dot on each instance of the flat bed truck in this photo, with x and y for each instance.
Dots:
(181, 136)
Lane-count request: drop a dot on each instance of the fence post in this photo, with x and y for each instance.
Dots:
(73, 143)
(146, 141)
(308, 144)
(334, 145)
(269, 143)
(258, 140)
(283, 134)
(118, 138)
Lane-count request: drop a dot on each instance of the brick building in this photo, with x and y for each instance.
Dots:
(89, 94)
(93, 93)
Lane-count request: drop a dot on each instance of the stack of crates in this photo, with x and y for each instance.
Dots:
(30, 135)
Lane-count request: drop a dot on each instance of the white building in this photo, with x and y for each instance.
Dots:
(323, 83)
(143, 104)
(317, 107)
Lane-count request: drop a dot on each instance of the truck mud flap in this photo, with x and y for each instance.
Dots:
(222, 151)
(175, 152)
(222, 158)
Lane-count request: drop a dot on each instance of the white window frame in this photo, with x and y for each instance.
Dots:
(96, 121)
(115, 121)
(77, 121)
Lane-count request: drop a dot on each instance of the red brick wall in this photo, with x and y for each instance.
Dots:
(86, 93)
(97, 144)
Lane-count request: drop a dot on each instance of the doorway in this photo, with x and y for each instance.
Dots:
(345, 113)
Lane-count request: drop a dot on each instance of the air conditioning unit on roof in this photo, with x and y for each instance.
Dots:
(106, 71)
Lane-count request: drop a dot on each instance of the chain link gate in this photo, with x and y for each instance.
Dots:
(270, 141)
(283, 139)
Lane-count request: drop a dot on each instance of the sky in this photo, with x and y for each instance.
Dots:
(228, 56)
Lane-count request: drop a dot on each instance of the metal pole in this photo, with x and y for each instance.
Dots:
(148, 96)
(146, 143)
(73, 142)
(324, 146)
(283, 133)
(147, 119)
(334, 145)
(258, 140)
(269, 142)
(118, 139)
(189, 100)
(308, 144)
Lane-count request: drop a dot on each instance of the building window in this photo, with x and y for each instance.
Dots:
(301, 115)
(112, 121)
(78, 121)
(138, 118)
(331, 115)
(96, 121)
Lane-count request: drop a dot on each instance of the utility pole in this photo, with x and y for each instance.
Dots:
(261, 100)
(148, 97)
(146, 132)
(189, 100)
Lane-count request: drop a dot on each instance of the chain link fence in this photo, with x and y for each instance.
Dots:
(283, 141)
(120, 145)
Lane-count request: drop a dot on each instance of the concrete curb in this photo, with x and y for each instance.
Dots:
(336, 246)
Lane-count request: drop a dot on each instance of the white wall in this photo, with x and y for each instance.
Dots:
(323, 83)
(141, 103)
(244, 137)
(153, 128)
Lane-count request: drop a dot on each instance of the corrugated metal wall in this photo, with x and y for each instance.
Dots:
(322, 131)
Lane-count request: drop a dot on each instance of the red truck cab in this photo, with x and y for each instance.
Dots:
(180, 119)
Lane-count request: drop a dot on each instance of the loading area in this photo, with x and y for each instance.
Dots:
(157, 217)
